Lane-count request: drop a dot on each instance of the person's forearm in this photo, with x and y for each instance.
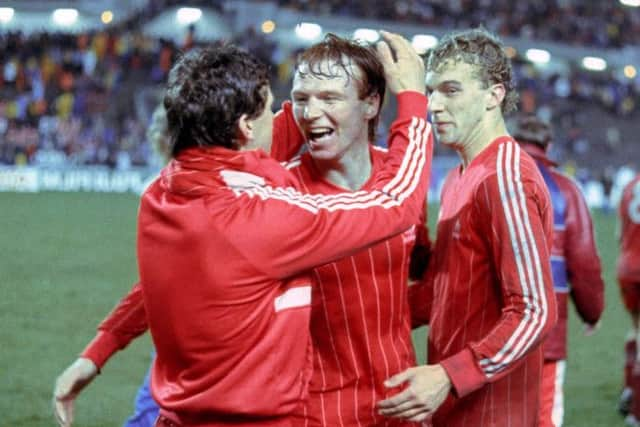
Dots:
(126, 321)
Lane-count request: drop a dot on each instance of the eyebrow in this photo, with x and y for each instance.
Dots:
(321, 93)
(445, 83)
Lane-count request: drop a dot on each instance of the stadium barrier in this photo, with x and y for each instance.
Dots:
(89, 178)
(101, 179)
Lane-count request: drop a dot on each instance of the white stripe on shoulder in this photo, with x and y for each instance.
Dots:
(292, 163)
(294, 297)
(378, 148)
(234, 178)
(393, 194)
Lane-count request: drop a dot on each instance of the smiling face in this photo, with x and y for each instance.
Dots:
(329, 111)
(457, 102)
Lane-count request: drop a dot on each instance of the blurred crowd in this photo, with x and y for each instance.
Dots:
(605, 23)
(86, 99)
(71, 98)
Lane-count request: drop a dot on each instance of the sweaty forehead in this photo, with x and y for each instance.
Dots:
(329, 70)
(451, 71)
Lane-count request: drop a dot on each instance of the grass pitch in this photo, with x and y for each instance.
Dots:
(69, 257)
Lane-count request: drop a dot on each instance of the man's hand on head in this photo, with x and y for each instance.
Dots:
(403, 67)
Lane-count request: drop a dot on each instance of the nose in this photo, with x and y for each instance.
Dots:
(436, 103)
(312, 110)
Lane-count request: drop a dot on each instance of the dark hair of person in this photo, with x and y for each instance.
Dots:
(346, 54)
(528, 128)
(485, 52)
(208, 90)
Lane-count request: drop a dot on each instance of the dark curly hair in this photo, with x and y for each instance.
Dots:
(207, 92)
(483, 50)
(529, 128)
(345, 53)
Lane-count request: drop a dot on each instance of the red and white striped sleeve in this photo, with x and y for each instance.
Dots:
(514, 206)
(299, 231)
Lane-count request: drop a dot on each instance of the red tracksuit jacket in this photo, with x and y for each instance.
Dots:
(575, 263)
(224, 243)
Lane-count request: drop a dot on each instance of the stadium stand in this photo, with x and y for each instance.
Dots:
(84, 98)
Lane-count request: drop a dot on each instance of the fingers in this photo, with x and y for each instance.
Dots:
(61, 406)
(399, 44)
(398, 379)
(421, 416)
(403, 67)
(399, 409)
(396, 400)
(384, 52)
(63, 411)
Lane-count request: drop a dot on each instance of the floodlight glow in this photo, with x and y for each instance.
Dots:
(65, 17)
(6, 14)
(594, 63)
(366, 34)
(630, 72)
(308, 31)
(423, 42)
(268, 26)
(106, 17)
(188, 15)
(632, 3)
(539, 56)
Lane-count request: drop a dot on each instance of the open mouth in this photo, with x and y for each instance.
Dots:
(319, 134)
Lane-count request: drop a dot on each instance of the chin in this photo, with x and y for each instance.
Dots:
(323, 155)
(443, 140)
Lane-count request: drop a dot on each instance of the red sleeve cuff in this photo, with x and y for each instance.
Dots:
(411, 103)
(101, 348)
(464, 373)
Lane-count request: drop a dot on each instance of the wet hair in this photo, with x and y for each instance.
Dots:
(485, 52)
(346, 54)
(528, 128)
(208, 91)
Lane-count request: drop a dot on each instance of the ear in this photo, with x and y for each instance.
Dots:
(244, 132)
(496, 95)
(372, 106)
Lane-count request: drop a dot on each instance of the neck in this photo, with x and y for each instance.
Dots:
(481, 137)
(351, 170)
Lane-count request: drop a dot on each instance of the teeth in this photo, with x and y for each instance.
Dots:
(317, 134)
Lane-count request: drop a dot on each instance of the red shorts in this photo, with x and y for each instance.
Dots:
(630, 291)
(551, 395)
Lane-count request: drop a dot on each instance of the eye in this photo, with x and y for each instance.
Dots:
(330, 98)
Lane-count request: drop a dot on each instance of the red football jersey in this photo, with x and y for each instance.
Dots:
(629, 211)
(360, 323)
(491, 288)
(256, 305)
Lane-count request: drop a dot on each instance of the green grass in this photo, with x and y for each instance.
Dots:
(67, 259)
